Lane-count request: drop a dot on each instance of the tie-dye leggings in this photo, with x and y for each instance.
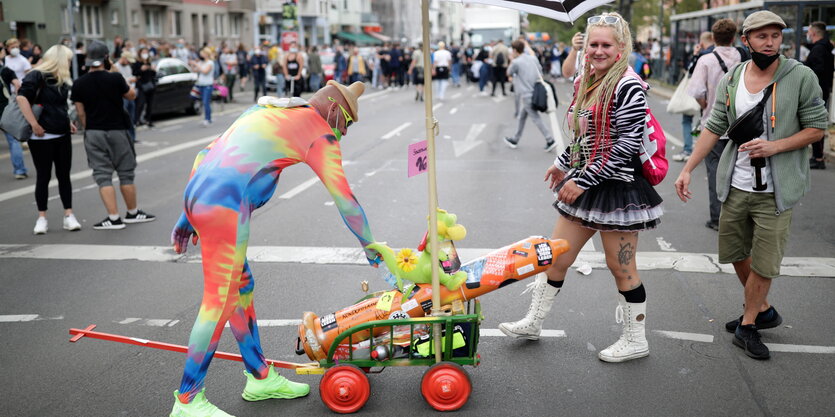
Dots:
(227, 295)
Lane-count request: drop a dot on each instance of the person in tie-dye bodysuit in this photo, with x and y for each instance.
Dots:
(231, 177)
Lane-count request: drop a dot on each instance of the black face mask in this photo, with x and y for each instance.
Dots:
(762, 60)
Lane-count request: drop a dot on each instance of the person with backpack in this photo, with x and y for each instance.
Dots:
(759, 180)
(8, 79)
(526, 72)
(600, 186)
(708, 71)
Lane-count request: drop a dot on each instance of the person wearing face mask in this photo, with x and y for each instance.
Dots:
(820, 60)
(123, 66)
(14, 60)
(146, 76)
(758, 199)
(292, 67)
(258, 67)
(231, 178)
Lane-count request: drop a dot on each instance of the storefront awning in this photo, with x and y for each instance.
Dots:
(379, 36)
(358, 38)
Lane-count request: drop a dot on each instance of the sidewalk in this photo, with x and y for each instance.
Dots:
(665, 92)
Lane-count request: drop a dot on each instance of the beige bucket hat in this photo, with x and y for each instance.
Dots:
(351, 94)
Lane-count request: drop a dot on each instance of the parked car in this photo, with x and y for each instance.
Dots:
(173, 91)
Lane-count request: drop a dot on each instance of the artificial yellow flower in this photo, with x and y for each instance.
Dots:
(406, 260)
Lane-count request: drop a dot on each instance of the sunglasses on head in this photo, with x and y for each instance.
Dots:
(609, 20)
(348, 119)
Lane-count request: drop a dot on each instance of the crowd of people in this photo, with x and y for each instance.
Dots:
(597, 180)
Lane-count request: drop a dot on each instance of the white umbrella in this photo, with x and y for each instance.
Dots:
(562, 10)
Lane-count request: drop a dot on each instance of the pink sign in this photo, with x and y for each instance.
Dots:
(418, 162)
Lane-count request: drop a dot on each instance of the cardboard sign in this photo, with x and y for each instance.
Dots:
(418, 159)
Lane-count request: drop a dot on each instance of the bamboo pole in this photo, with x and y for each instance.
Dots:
(433, 189)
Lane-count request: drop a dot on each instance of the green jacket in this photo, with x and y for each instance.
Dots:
(799, 106)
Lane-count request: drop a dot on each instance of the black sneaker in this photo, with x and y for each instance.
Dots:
(816, 164)
(108, 224)
(767, 319)
(139, 217)
(715, 226)
(748, 338)
(549, 146)
(510, 142)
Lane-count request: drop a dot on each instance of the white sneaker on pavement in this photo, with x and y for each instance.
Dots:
(681, 157)
(70, 223)
(41, 226)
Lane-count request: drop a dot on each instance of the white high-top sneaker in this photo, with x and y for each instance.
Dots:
(633, 342)
(531, 326)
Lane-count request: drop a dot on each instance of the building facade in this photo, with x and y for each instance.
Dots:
(196, 21)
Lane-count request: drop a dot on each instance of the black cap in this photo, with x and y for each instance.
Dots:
(96, 54)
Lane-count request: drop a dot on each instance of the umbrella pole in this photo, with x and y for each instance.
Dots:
(433, 189)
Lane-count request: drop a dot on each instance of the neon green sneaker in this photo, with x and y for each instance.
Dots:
(198, 407)
(273, 386)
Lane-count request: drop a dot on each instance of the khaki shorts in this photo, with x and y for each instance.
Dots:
(750, 227)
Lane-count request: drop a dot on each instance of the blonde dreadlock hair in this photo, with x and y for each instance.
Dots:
(602, 98)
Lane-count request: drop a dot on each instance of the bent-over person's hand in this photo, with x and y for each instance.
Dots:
(555, 175)
(569, 192)
(183, 231)
(374, 258)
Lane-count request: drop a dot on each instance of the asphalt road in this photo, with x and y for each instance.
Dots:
(127, 282)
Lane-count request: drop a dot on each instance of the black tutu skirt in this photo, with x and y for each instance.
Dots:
(615, 205)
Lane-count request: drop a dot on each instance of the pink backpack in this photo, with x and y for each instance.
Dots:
(654, 165)
(653, 151)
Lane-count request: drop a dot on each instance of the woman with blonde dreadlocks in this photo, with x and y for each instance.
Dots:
(599, 186)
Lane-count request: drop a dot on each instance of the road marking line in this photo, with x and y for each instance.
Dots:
(437, 106)
(672, 138)
(664, 245)
(277, 323)
(679, 261)
(18, 317)
(779, 347)
(170, 128)
(453, 110)
(148, 322)
(695, 337)
(498, 333)
(299, 188)
(396, 131)
(11, 318)
(456, 95)
(372, 95)
(8, 195)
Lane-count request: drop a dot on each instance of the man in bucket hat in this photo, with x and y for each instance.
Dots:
(233, 176)
(761, 180)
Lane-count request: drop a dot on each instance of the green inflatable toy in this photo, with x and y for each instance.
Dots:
(416, 265)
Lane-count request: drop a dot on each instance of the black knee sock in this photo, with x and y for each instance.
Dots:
(638, 295)
(555, 284)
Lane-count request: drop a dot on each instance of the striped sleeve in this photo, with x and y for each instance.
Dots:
(629, 121)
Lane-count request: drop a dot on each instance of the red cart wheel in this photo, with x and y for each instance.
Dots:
(446, 386)
(344, 389)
